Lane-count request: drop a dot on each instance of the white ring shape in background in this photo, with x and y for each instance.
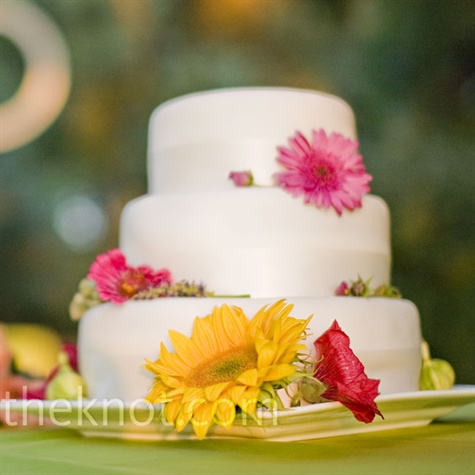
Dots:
(46, 82)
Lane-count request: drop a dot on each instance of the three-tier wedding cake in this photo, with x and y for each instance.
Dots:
(279, 238)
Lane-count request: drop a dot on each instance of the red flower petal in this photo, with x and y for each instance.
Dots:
(72, 351)
(343, 373)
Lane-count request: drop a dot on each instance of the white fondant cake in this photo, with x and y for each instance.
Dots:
(258, 241)
(384, 335)
(196, 140)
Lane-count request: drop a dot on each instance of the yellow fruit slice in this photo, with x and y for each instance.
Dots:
(34, 348)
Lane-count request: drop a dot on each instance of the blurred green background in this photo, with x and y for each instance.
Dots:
(406, 67)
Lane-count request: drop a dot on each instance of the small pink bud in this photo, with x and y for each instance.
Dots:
(243, 178)
(342, 289)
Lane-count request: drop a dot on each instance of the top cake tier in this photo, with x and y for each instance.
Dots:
(196, 140)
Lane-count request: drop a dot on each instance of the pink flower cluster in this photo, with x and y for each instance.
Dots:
(116, 281)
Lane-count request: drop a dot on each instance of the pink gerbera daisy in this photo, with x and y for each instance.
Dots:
(328, 171)
(117, 281)
(343, 376)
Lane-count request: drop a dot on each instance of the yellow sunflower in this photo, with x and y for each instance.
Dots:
(229, 361)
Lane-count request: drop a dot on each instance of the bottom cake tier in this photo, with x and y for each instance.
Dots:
(114, 340)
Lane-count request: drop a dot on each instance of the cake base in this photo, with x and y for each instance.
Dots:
(114, 340)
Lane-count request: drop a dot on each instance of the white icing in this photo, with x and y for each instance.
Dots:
(256, 241)
(114, 340)
(196, 140)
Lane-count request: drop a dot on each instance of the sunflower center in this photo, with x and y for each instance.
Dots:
(224, 366)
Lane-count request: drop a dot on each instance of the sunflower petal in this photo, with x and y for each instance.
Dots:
(234, 324)
(267, 354)
(170, 381)
(249, 377)
(182, 418)
(185, 347)
(249, 400)
(235, 393)
(213, 392)
(203, 333)
(279, 372)
(172, 410)
(225, 412)
(202, 419)
(193, 394)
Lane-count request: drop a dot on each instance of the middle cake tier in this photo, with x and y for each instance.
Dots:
(257, 241)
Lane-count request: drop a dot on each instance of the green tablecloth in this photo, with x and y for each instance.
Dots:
(444, 447)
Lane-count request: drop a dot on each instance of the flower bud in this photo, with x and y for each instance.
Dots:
(66, 384)
(87, 288)
(435, 373)
(244, 178)
(343, 289)
(85, 298)
(312, 390)
(386, 290)
(360, 288)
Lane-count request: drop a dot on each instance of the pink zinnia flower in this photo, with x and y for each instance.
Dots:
(343, 375)
(244, 178)
(328, 171)
(117, 281)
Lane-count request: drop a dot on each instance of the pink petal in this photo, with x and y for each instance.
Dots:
(300, 144)
(117, 282)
